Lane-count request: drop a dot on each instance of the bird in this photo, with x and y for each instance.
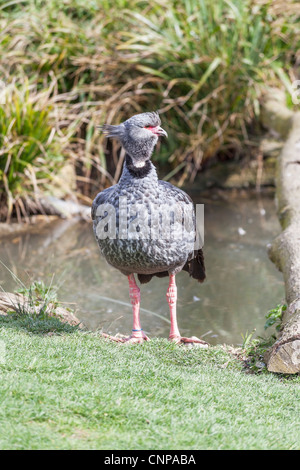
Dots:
(139, 223)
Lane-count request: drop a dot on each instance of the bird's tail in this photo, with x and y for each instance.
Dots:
(196, 267)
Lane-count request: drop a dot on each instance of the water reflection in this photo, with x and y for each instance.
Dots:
(242, 284)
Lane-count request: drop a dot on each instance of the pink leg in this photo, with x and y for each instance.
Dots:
(137, 335)
(172, 299)
(174, 331)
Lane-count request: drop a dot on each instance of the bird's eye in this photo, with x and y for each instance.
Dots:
(148, 128)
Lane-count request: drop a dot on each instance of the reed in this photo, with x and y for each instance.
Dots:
(202, 64)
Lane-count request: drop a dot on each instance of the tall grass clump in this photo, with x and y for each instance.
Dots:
(211, 61)
(29, 151)
(202, 64)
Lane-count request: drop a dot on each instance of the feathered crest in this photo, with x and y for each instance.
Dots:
(145, 119)
(138, 120)
(110, 130)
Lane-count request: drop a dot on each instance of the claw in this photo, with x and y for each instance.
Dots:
(127, 339)
(184, 340)
(134, 340)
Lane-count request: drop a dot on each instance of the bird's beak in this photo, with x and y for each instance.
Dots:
(159, 131)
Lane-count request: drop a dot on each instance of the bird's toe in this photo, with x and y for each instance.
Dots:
(193, 341)
(126, 339)
(136, 340)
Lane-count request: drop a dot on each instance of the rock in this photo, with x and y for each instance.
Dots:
(274, 113)
(13, 302)
(285, 358)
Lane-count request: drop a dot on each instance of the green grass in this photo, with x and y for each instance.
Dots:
(74, 390)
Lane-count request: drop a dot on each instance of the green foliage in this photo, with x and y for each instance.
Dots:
(39, 301)
(247, 339)
(254, 349)
(203, 64)
(274, 316)
(29, 151)
(36, 311)
(39, 293)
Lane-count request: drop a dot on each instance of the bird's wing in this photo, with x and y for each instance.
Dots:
(195, 263)
(101, 198)
(175, 193)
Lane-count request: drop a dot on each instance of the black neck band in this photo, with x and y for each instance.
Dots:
(135, 171)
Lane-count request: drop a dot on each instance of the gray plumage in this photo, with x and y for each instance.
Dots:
(152, 207)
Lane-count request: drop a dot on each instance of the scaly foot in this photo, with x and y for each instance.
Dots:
(184, 340)
(132, 339)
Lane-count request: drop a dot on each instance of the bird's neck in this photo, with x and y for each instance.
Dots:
(138, 170)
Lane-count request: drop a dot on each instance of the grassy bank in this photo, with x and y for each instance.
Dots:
(75, 390)
(69, 66)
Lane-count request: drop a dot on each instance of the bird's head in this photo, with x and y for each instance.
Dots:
(138, 135)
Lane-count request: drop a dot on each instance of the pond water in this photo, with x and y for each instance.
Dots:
(241, 286)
